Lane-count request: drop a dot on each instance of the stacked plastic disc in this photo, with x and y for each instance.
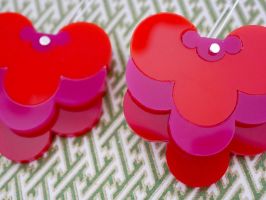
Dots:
(50, 84)
(204, 97)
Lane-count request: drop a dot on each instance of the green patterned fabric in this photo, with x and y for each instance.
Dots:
(111, 162)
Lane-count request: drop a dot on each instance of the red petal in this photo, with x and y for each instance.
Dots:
(202, 106)
(76, 123)
(156, 46)
(88, 51)
(249, 140)
(146, 123)
(248, 66)
(23, 149)
(196, 171)
(10, 26)
(32, 78)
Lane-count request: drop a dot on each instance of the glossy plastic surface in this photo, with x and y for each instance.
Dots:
(23, 149)
(29, 120)
(230, 45)
(68, 124)
(147, 123)
(78, 51)
(54, 86)
(200, 141)
(75, 123)
(194, 139)
(249, 140)
(195, 171)
(251, 109)
(192, 170)
(205, 102)
(158, 51)
(145, 89)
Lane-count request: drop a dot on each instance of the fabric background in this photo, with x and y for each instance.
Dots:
(111, 162)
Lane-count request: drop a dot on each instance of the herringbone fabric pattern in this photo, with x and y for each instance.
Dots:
(111, 162)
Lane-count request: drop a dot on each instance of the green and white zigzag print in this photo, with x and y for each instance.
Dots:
(111, 162)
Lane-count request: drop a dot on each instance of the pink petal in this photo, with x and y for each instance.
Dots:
(23, 149)
(76, 123)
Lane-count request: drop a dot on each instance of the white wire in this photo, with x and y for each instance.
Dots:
(213, 32)
(226, 19)
(219, 20)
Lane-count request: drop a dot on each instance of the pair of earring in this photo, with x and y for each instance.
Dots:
(205, 97)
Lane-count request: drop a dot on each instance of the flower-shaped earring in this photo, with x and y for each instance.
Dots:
(49, 84)
(205, 97)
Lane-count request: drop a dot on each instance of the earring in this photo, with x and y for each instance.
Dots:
(204, 97)
(50, 84)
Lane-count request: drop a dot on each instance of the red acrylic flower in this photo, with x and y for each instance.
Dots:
(49, 84)
(159, 48)
(204, 97)
(34, 70)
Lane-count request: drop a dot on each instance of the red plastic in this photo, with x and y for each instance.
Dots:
(23, 149)
(34, 75)
(149, 124)
(158, 51)
(50, 84)
(197, 111)
(195, 171)
(76, 123)
(68, 124)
